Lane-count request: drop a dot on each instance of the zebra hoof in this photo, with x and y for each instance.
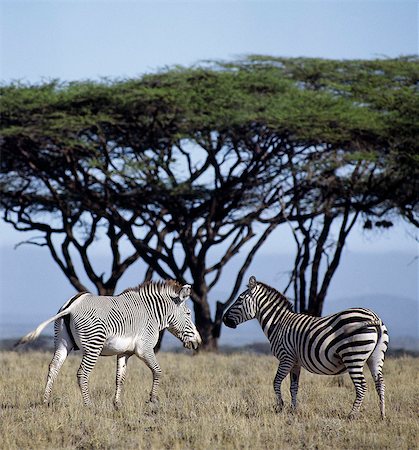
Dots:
(279, 408)
(153, 405)
(117, 405)
(353, 415)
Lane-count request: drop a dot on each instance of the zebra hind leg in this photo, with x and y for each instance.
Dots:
(87, 363)
(375, 363)
(57, 361)
(295, 376)
(63, 346)
(375, 367)
(121, 370)
(358, 379)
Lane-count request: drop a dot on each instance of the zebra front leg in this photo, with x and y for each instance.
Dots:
(150, 359)
(121, 369)
(295, 376)
(283, 370)
(57, 361)
(87, 363)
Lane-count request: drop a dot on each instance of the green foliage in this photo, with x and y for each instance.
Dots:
(315, 101)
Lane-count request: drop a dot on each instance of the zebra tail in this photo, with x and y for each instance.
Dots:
(373, 323)
(35, 333)
(361, 325)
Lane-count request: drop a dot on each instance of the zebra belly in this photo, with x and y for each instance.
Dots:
(116, 345)
(334, 355)
(334, 367)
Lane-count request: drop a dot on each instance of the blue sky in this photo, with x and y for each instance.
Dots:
(90, 39)
(73, 40)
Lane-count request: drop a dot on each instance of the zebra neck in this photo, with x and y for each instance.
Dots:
(272, 315)
(158, 310)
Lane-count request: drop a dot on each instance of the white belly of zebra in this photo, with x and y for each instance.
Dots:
(118, 344)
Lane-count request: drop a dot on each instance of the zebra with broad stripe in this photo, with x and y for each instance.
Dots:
(330, 345)
(121, 325)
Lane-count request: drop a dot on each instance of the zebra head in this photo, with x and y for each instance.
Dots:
(180, 323)
(244, 308)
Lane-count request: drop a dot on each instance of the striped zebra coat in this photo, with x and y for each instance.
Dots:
(121, 325)
(330, 345)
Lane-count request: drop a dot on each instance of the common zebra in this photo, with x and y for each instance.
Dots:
(328, 345)
(121, 325)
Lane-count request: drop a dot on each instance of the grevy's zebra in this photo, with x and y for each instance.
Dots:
(328, 345)
(120, 325)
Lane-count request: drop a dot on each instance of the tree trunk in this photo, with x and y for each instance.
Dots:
(104, 290)
(205, 326)
(315, 307)
(216, 330)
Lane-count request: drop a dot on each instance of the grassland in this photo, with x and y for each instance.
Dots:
(207, 401)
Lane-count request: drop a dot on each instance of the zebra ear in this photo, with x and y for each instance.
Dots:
(252, 282)
(185, 292)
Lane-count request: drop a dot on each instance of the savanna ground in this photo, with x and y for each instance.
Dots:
(208, 401)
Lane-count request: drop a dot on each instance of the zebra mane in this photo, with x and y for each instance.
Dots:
(170, 286)
(278, 295)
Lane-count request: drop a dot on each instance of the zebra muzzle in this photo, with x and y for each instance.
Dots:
(229, 323)
(192, 344)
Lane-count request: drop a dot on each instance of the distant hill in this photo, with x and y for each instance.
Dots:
(43, 343)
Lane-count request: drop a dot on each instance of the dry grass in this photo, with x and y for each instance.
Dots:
(207, 401)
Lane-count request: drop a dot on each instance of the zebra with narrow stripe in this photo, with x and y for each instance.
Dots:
(330, 345)
(121, 325)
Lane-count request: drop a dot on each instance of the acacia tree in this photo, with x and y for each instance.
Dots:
(39, 192)
(177, 164)
(87, 170)
(368, 172)
(344, 189)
